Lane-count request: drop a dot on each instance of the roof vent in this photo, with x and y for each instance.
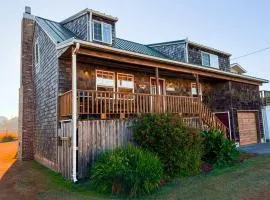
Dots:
(28, 10)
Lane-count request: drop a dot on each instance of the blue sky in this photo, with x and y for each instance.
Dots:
(235, 26)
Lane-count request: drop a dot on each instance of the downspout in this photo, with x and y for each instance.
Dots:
(186, 50)
(90, 26)
(74, 112)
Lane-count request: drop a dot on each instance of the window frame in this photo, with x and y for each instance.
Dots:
(113, 75)
(37, 55)
(209, 54)
(200, 89)
(102, 31)
(125, 74)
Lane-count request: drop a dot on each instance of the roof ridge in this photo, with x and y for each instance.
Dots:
(132, 41)
(167, 42)
(48, 19)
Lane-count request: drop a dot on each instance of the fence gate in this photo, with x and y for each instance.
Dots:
(65, 148)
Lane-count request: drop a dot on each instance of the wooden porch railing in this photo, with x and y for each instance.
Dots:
(107, 103)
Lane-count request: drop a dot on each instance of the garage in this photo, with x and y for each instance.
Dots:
(247, 125)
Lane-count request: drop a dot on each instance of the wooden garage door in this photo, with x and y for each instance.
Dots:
(247, 127)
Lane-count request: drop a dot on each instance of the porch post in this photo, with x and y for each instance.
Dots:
(74, 112)
(157, 82)
(157, 91)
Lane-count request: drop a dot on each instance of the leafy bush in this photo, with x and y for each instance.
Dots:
(178, 147)
(218, 150)
(7, 138)
(127, 170)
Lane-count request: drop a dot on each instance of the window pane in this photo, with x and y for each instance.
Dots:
(214, 61)
(107, 33)
(97, 31)
(205, 59)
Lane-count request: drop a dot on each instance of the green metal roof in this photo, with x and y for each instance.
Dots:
(55, 30)
(137, 48)
(59, 33)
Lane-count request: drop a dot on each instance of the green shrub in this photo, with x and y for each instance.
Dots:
(178, 147)
(127, 170)
(8, 138)
(218, 150)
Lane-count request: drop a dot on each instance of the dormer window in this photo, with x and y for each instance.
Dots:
(102, 32)
(209, 60)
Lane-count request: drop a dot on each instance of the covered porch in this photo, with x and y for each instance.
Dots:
(93, 79)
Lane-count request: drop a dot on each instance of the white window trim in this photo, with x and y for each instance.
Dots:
(200, 89)
(93, 31)
(203, 52)
(105, 86)
(119, 87)
(37, 51)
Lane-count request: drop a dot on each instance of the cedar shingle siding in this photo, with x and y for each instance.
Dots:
(79, 26)
(232, 96)
(46, 90)
(173, 51)
(194, 57)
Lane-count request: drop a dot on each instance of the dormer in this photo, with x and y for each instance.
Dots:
(93, 26)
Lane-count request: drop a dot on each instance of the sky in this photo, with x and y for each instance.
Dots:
(235, 26)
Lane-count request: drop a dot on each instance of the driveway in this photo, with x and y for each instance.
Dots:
(8, 151)
(263, 148)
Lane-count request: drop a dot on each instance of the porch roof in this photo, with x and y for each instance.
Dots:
(111, 53)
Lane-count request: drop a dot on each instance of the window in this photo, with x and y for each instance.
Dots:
(194, 89)
(105, 80)
(102, 32)
(125, 83)
(37, 56)
(209, 60)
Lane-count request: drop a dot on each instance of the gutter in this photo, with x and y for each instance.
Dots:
(182, 64)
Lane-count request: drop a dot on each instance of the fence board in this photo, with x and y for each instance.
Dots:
(65, 149)
(97, 136)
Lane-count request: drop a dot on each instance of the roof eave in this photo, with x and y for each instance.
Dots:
(85, 11)
(207, 47)
(90, 44)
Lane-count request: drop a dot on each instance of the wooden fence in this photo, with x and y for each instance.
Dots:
(65, 149)
(97, 136)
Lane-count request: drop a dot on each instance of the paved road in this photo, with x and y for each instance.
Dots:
(256, 148)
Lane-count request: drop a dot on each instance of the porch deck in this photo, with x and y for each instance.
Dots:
(104, 104)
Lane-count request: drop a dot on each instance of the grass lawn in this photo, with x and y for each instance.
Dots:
(248, 180)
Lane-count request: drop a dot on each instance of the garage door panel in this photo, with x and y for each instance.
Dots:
(247, 127)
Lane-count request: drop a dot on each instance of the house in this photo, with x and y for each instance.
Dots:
(80, 84)
(238, 69)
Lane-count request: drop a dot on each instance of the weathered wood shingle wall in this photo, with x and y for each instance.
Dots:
(194, 57)
(46, 92)
(175, 51)
(233, 96)
(79, 26)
